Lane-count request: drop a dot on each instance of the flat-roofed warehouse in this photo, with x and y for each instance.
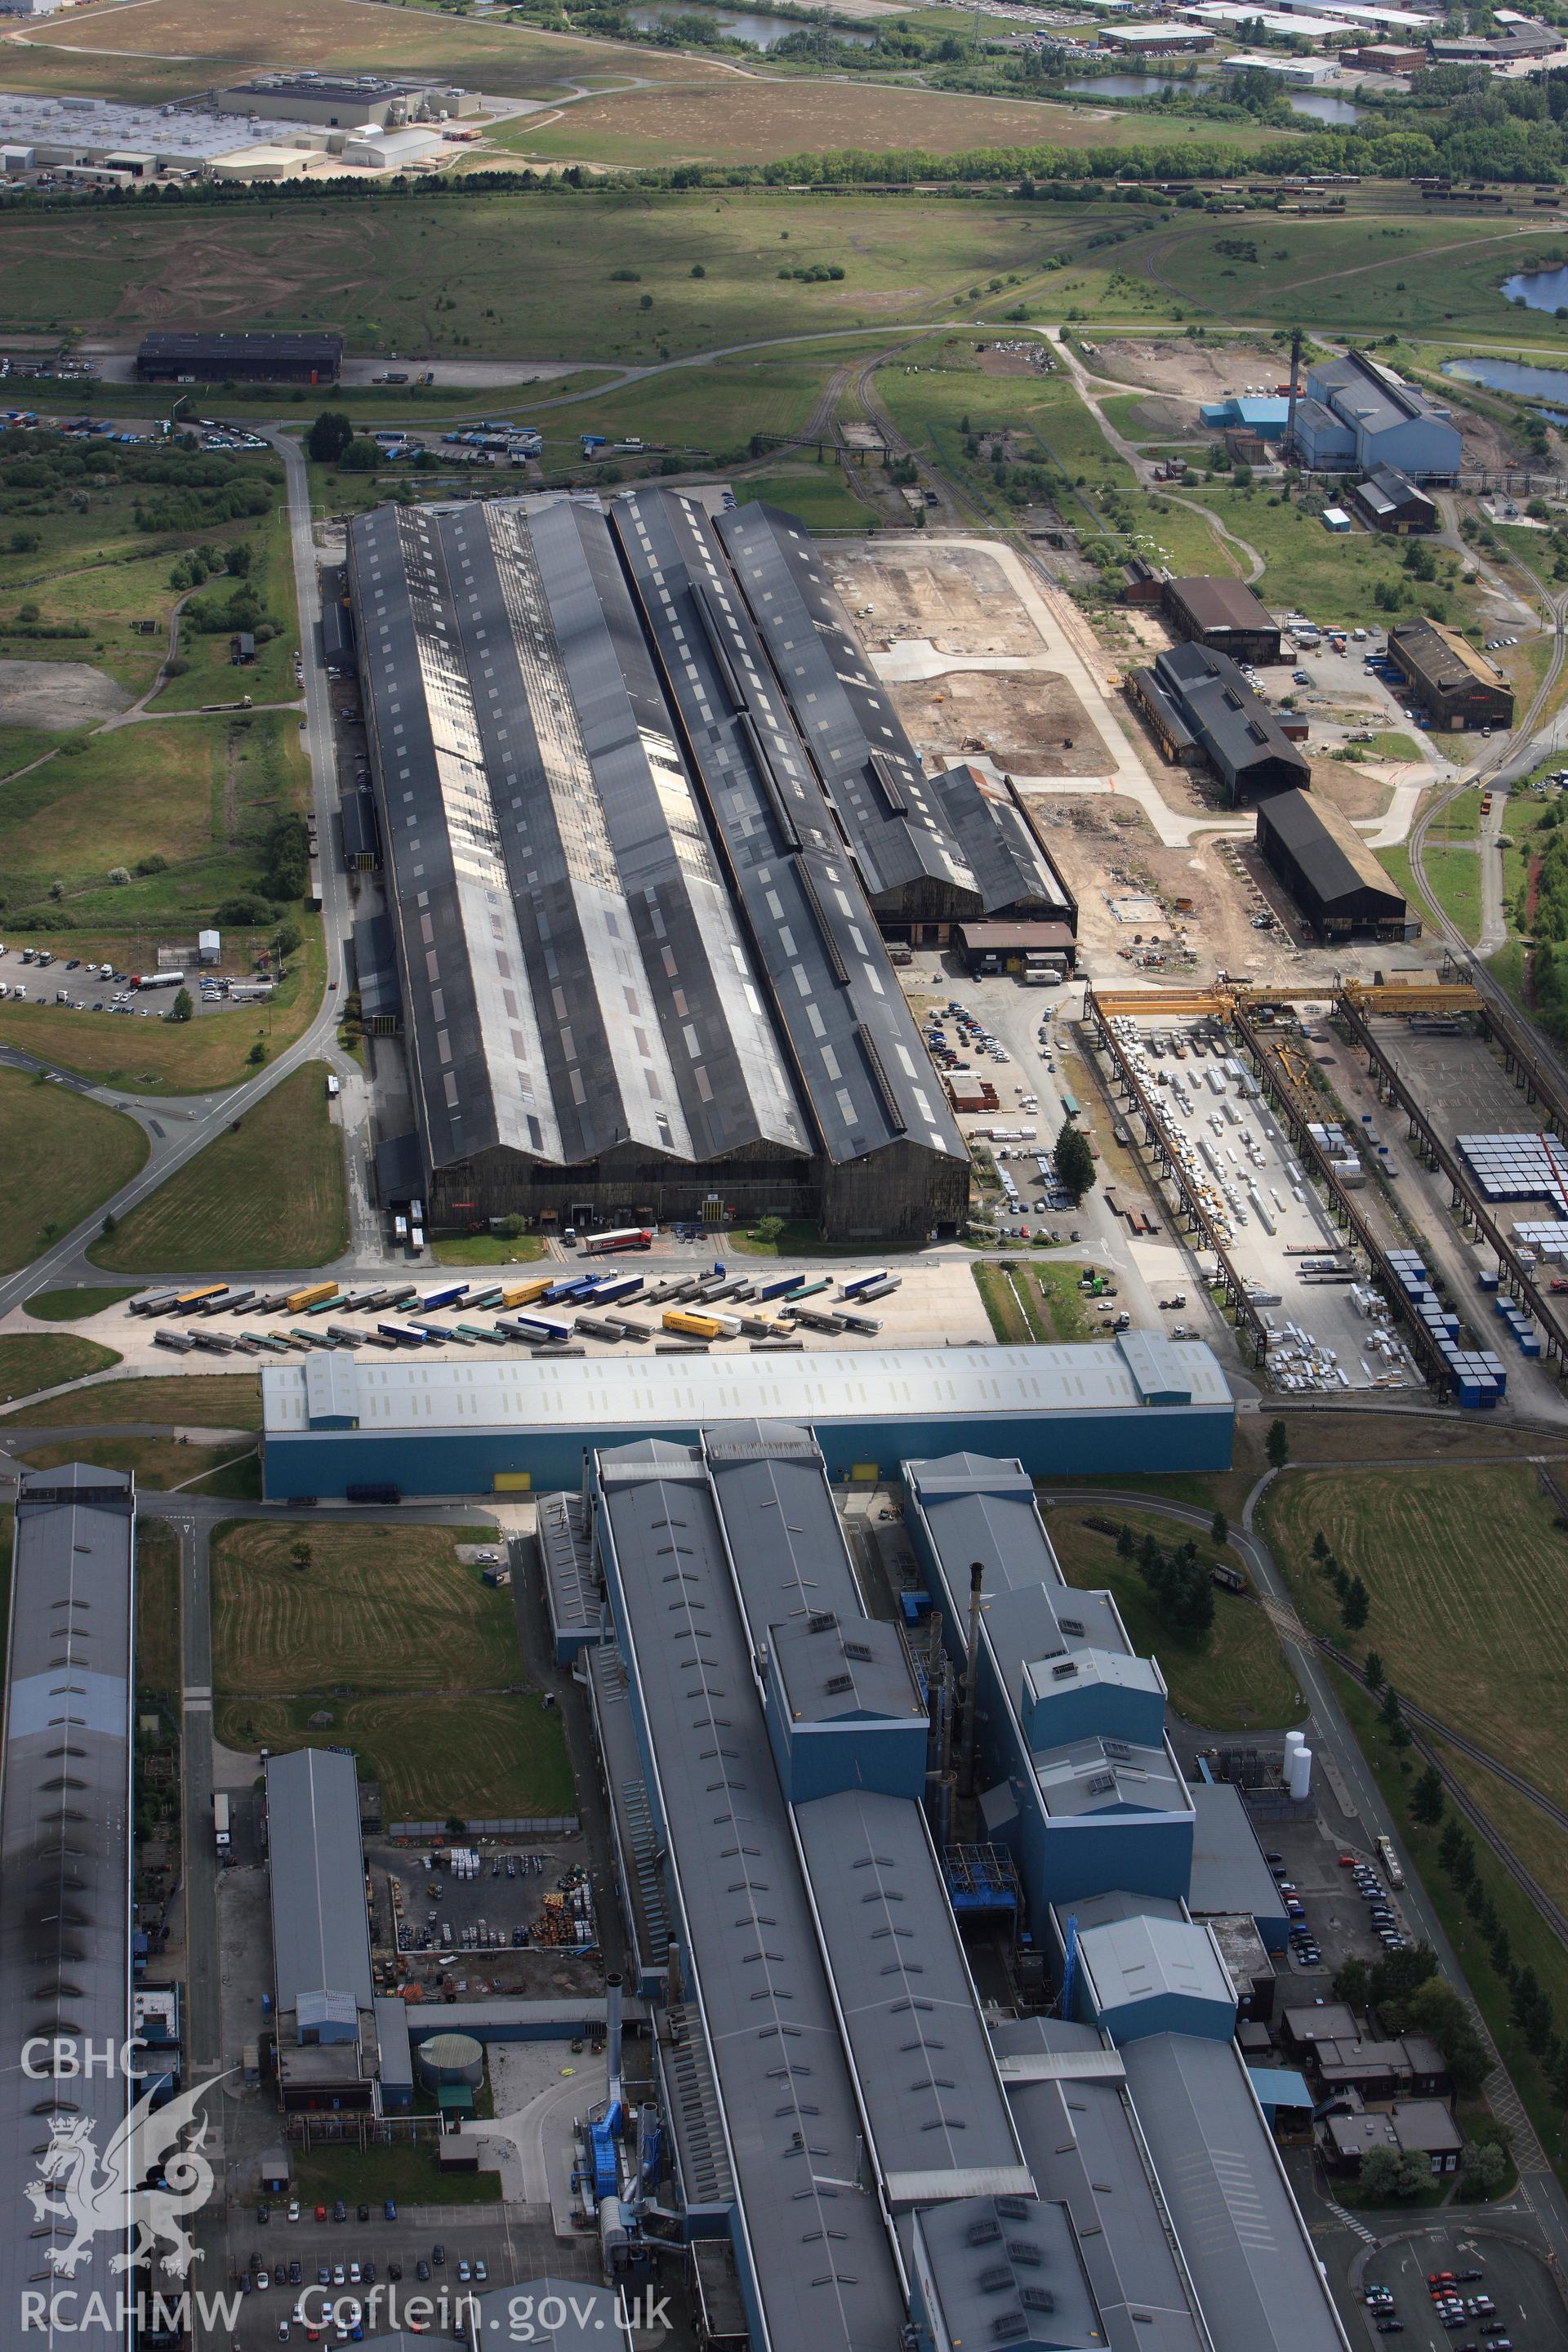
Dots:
(1327, 868)
(347, 101)
(169, 355)
(640, 973)
(66, 1864)
(1225, 616)
(1143, 1403)
(1454, 685)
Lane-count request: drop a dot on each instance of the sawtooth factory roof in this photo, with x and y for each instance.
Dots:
(626, 915)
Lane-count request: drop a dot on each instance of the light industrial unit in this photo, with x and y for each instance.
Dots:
(641, 802)
(172, 355)
(441, 1427)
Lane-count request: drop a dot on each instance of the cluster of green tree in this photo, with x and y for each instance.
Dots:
(1355, 1602)
(1530, 2005)
(199, 563)
(1182, 1584)
(815, 273)
(201, 510)
(1072, 1161)
(241, 611)
(44, 461)
(286, 866)
(1410, 1997)
(1547, 923)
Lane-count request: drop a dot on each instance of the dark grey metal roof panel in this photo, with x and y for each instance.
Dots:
(549, 866)
(856, 1049)
(1007, 2272)
(896, 825)
(65, 1844)
(938, 2114)
(824, 2267)
(375, 966)
(1234, 728)
(1241, 2232)
(784, 1533)
(832, 1668)
(320, 1934)
(1082, 2143)
(1012, 871)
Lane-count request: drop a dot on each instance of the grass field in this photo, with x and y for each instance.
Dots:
(479, 1757)
(1310, 569)
(753, 120)
(170, 1399)
(172, 47)
(1531, 1940)
(1454, 872)
(157, 1056)
(271, 1195)
(199, 794)
(1367, 274)
(164, 1464)
(20, 747)
(376, 272)
(28, 1364)
(158, 1662)
(77, 1304)
(380, 1609)
(64, 1155)
(487, 1249)
(1468, 1579)
(369, 2176)
(212, 675)
(1237, 1680)
(405, 1649)
(1034, 1300)
(817, 494)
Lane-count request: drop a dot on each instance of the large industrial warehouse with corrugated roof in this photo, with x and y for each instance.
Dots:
(1327, 868)
(66, 1962)
(642, 800)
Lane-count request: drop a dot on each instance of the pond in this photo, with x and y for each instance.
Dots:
(1539, 289)
(1511, 375)
(760, 32)
(1121, 85)
(1322, 108)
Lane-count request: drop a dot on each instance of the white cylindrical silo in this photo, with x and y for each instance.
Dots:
(1299, 1773)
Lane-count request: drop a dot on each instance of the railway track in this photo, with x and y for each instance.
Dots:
(1424, 1728)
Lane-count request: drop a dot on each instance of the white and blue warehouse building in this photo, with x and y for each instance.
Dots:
(1357, 414)
(429, 1425)
(888, 2163)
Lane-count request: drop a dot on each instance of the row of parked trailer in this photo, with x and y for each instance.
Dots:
(689, 1313)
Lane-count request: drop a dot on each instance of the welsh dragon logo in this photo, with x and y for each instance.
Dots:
(103, 2195)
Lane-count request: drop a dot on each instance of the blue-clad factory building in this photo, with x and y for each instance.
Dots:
(428, 1423)
(875, 2159)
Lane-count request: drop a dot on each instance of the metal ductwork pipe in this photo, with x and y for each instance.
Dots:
(970, 1675)
(612, 2037)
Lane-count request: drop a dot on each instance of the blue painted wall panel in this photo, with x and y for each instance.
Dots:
(1140, 1441)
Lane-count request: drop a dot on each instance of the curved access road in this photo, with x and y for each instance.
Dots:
(181, 1127)
(1334, 1737)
